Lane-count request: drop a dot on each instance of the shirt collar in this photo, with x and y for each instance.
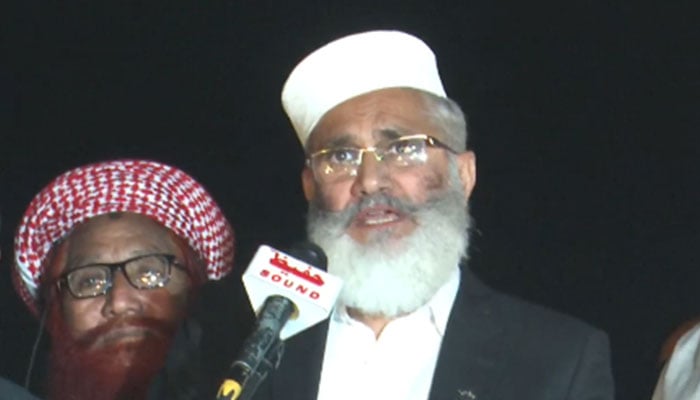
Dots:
(441, 303)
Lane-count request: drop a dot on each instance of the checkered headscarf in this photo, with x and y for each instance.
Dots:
(158, 191)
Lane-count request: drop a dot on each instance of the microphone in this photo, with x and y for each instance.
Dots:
(290, 294)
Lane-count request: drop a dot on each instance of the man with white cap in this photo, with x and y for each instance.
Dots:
(388, 177)
(111, 256)
(680, 378)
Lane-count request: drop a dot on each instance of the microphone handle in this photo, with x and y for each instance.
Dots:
(271, 361)
(274, 314)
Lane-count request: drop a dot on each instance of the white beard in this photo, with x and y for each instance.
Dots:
(391, 279)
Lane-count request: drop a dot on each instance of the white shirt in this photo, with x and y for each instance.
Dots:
(399, 365)
(680, 379)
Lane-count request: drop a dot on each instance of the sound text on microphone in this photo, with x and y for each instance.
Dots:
(298, 279)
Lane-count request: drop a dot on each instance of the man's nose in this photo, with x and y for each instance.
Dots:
(372, 176)
(122, 298)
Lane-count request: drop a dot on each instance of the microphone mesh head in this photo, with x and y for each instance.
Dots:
(310, 253)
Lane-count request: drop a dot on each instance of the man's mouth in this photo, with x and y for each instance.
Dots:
(123, 333)
(377, 216)
(126, 334)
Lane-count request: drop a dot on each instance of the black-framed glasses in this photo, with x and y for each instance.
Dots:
(338, 163)
(149, 271)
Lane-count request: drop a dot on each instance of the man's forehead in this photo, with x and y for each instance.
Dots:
(348, 139)
(124, 234)
(121, 220)
(378, 115)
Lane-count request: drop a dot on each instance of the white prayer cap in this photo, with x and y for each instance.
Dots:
(355, 65)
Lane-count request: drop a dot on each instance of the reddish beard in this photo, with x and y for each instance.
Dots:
(91, 367)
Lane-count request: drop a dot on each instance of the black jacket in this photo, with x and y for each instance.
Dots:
(495, 347)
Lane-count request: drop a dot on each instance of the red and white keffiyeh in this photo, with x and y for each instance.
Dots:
(159, 191)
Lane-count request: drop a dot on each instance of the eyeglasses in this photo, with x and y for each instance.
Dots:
(149, 271)
(336, 164)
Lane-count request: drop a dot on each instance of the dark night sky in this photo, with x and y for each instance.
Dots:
(583, 117)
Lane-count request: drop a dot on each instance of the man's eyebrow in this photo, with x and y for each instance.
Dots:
(391, 133)
(349, 140)
(343, 140)
(73, 262)
(83, 260)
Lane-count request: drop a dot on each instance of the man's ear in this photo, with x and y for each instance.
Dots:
(466, 162)
(308, 183)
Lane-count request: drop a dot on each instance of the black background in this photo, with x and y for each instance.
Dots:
(583, 116)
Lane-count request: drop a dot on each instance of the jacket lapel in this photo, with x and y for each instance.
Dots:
(470, 362)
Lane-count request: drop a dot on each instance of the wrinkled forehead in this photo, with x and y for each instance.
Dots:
(373, 117)
(113, 223)
(112, 238)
